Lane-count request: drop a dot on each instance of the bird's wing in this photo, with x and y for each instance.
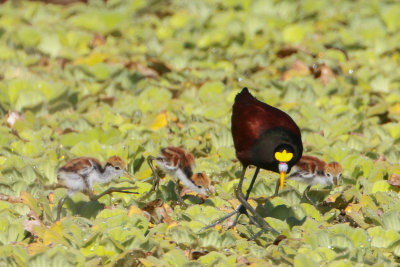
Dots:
(82, 166)
(89, 168)
(300, 174)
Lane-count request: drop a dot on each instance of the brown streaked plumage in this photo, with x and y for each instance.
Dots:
(179, 163)
(116, 162)
(265, 137)
(311, 171)
(177, 158)
(80, 174)
(201, 179)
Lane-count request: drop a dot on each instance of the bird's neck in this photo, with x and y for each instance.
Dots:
(188, 182)
(105, 175)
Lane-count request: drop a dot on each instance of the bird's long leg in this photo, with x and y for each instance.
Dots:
(156, 182)
(305, 194)
(59, 206)
(277, 188)
(257, 218)
(240, 209)
(115, 190)
(178, 194)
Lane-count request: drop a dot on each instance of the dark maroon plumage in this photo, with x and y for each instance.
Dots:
(265, 137)
(259, 129)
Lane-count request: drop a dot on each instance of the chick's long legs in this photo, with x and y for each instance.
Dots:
(59, 206)
(95, 197)
(156, 182)
(156, 178)
(178, 194)
(115, 190)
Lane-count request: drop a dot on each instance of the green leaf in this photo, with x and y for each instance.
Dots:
(29, 36)
(210, 91)
(28, 200)
(382, 238)
(393, 129)
(380, 186)
(50, 44)
(302, 260)
(380, 84)
(391, 220)
(175, 257)
(294, 33)
(214, 258)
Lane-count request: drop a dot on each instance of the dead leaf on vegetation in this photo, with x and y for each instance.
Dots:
(98, 40)
(65, 131)
(324, 73)
(394, 180)
(298, 68)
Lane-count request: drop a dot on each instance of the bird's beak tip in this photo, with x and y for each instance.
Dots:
(282, 181)
(335, 181)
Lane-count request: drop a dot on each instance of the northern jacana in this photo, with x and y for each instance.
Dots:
(265, 137)
(311, 170)
(179, 163)
(80, 174)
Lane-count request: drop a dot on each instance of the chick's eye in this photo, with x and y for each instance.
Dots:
(199, 186)
(117, 168)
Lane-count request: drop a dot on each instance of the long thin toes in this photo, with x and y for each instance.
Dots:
(257, 234)
(127, 192)
(220, 220)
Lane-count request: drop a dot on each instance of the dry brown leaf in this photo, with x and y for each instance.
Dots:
(324, 73)
(394, 180)
(159, 66)
(65, 131)
(287, 51)
(298, 68)
(30, 224)
(98, 40)
(11, 199)
(381, 158)
(152, 205)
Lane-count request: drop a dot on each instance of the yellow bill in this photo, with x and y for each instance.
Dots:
(283, 174)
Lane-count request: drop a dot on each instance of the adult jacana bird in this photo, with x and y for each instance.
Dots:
(265, 137)
(80, 174)
(179, 163)
(312, 171)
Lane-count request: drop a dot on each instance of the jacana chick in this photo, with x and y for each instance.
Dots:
(311, 171)
(80, 174)
(265, 137)
(179, 163)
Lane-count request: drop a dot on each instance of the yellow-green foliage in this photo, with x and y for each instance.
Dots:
(129, 77)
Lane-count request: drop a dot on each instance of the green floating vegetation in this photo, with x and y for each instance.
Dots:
(127, 78)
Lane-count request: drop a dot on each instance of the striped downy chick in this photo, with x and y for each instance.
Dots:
(312, 171)
(80, 174)
(179, 163)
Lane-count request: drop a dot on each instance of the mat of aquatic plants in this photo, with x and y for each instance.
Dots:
(127, 78)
